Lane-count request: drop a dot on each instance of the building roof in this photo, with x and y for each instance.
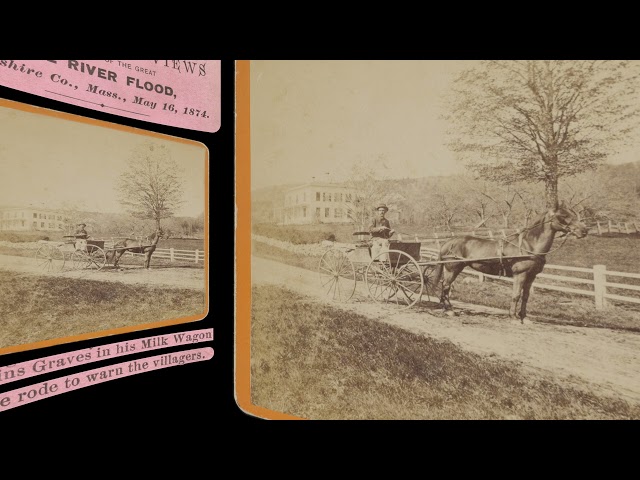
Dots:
(318, 184)
(28, 207)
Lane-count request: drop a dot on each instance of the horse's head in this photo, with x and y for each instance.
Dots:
(565, 219)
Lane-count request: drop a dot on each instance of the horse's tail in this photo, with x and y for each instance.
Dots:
(437, 274)
(111, 255)
(445, 251)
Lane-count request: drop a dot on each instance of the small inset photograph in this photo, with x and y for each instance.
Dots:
(103, 228)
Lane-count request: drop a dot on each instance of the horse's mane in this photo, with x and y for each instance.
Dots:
(537, 226)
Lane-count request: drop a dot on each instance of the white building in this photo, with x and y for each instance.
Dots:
(317, 203)
(31, 218)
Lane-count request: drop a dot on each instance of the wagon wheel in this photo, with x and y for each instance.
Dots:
(93, 258)
(50, 258)
(337, 275)
(394, 277)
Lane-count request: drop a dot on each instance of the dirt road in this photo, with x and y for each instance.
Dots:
(178, 276)
(603, 361)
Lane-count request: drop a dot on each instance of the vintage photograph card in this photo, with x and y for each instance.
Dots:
(103, 228)
(438, 240)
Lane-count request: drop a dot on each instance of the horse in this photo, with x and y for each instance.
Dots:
(532, 244)
(135, 246)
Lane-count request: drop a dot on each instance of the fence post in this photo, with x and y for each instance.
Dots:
(504, 234)
(490, 234)
(626, 228)
(480, 277)
(435, 234)
(609, 227)
(599, 229)
(171, 254)
(197, 251)
(635, 225)
(416, 238)
(619, 227)
(599, 287)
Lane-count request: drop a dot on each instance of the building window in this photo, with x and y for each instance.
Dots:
(41, 224)
(35, 215)
(60, 226)
(317, 196)
(317, 212)
(328, 197)
(338, 213)
(326, 212)
(304, 196)
(348, 197)
(22, 223)
(304, 211)
(35, 224)
(324, 197)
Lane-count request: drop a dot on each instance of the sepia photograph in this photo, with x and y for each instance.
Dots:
(444, 239)
(103, 228)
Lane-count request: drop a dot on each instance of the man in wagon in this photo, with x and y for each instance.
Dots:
(81, 232)
(381, 231)
(81, 237)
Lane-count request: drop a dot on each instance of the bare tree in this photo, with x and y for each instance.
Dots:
(502, 197)
(447, 203)
(151, 188)
(479, 200)
(542, 120)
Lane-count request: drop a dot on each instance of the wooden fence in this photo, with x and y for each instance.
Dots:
(617, 227)
(598, 281)
(173, 254)
(438, 236)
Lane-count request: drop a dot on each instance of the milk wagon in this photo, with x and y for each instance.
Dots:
(52, 256)
(399, 276)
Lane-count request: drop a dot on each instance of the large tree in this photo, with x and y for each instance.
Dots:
(538, 121)
(151, 187)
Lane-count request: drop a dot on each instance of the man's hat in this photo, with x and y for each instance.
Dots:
(83, 224)
(382, 205)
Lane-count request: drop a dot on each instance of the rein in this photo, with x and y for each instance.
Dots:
(539, 254)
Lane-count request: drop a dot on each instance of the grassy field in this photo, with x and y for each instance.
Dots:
(34, 308)
(545, 306)
(315, 362)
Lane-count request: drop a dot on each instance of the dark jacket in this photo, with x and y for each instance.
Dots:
(377, 222)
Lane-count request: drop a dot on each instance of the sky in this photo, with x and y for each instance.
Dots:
(51, 162)
(313, 119)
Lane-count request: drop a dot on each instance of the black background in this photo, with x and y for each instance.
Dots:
(181, 399)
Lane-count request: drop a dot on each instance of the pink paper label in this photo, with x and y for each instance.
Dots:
(39, 366)
(56, 386)
(178, 93)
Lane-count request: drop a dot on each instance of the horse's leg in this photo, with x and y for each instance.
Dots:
(450, 275)
(516, 295)
(526, 288)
